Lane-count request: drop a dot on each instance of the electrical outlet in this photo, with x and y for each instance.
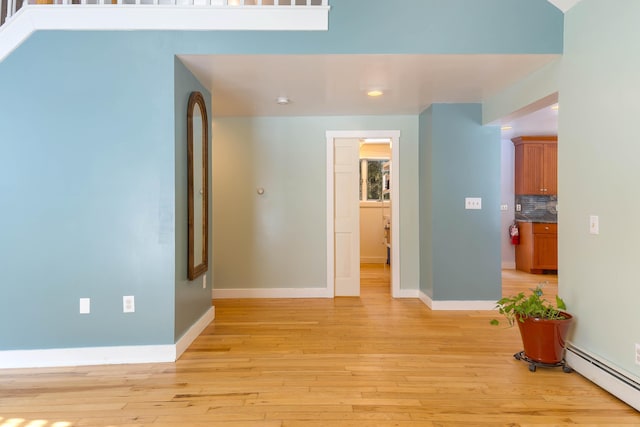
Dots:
(204, 281)
(637, 354)
(473, 203)
(128, 304)
(85, 305)
(504, 207)
(518, 207)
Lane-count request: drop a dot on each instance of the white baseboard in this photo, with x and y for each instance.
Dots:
(116, 355)
(408, 293)
(621, 384)
(58, 357)
(194, 331)
(456, 305)
(508, 265)
(273, 293)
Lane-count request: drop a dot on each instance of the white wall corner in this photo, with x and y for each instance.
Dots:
(426, 299)
(194, 331)
(564, 5)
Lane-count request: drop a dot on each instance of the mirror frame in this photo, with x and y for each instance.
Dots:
(194, 270)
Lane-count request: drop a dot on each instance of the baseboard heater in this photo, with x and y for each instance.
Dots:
(620, 384)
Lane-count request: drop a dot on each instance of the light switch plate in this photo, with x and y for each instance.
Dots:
(473, 203)
(504, 207)
(594, 224)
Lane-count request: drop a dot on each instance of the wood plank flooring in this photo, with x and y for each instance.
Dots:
(368, 361)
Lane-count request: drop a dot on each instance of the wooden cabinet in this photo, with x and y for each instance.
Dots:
(538, 248)
(536, 165)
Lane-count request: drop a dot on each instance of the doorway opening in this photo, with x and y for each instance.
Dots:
(344, 191)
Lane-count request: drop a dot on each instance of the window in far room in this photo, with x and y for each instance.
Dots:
(374, 179)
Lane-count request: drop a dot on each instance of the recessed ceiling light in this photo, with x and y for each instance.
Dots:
(555, 107)
(506, 127)
(283, 100)
(375, 92)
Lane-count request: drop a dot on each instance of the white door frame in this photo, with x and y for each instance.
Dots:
(394, 135)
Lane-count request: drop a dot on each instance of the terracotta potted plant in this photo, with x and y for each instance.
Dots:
(543, 327)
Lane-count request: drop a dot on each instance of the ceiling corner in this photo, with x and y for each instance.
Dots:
(564, 5)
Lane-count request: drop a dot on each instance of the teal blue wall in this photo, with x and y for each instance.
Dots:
(278, 240)
(88, 165)
(462, 159)
(413, 26)
(598, 154)
(87, 185)
(425, 156)
(191, 299)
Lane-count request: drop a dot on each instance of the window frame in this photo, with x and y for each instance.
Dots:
(364, 174)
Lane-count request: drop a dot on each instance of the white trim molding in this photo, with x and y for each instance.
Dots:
(101, 17)
(456, 305)
(116, 355)
(408, 293)
(194, 331)
(272, 293)
(624, 385)
(85, 356)
(394, 135)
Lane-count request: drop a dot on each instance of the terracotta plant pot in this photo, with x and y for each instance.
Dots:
(544, 339)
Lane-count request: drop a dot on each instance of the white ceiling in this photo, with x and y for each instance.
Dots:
(540, 122)
(248, 85)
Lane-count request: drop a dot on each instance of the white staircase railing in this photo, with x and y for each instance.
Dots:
(20, 18)
(9, 8)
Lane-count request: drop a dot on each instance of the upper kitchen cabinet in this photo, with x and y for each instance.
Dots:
(536, 165)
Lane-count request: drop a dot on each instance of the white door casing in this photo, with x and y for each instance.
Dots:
(346, 217)
(394, 135)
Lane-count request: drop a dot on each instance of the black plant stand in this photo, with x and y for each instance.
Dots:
(533, 365)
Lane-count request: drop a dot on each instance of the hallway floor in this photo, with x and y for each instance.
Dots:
(369, 361)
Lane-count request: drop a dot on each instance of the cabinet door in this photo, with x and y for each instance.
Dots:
(531, 169)
(545, 251)
(550, 173)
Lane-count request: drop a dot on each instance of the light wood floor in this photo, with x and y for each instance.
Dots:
(369, 361)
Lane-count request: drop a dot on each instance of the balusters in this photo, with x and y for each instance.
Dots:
(8, 8)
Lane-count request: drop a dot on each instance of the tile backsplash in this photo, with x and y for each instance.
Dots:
(537, 208)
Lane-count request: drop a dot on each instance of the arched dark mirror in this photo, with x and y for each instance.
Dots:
(198, 183)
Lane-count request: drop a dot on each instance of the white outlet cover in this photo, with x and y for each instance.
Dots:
(85, 305)
(473, 203)
(637, 354)
(128, 304)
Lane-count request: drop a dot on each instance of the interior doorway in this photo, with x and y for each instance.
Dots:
(343, 205)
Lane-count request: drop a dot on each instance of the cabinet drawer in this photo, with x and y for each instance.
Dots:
(544, 228)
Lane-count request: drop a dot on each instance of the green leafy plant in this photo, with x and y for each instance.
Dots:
(520, 306)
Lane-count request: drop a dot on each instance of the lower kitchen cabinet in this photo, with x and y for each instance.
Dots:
(538, 248)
